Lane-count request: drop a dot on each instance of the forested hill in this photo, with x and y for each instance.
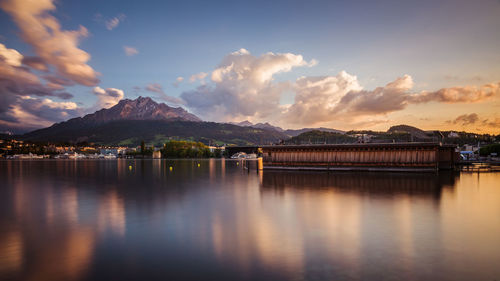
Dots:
(132, 132)
(321, 137)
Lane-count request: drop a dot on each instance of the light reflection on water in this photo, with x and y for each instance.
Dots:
(215, 220)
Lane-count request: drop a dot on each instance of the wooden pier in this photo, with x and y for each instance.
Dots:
(418, 157)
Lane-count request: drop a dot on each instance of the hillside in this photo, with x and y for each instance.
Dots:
(138, 109)
(131, 132)
(321, 137)
(413, 131)
(294, 133)
(288, 132)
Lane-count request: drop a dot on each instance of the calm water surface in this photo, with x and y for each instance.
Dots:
(139, 220)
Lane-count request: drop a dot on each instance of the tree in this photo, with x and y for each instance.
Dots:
(143, 147)
(217, 153)
(492, 148)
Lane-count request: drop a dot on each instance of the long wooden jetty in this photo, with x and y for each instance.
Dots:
(418, 157)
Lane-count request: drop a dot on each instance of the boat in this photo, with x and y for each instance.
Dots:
(243, 155)
(239, 155)
(109, 156)
(251, 156)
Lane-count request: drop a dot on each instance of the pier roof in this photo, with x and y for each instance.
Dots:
(361, 145)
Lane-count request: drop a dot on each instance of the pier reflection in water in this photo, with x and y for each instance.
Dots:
(215, 220)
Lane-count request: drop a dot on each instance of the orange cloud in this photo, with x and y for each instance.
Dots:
(465, 119)
(315, 104)
(53, 45)
(467, 94)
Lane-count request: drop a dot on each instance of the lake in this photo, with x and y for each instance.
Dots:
(215, 220)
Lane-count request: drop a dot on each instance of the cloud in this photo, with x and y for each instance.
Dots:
(178, 81)
(36, 63)
(130, 51)
(243, 86)
(27, 113)
(10, 56)
(23, 112)
(382, 100)
(494, 124)
(107, 98)
(18, 80)
(23, 94)
(198, 76)
(65, 96)
(114, 22)
(312, 63)
(344, 99)
(467, 94)
(109, 23)
(58, 80)
(53, 45)
(24, 101)
(466, 119)
(317, 98)
(157, 88)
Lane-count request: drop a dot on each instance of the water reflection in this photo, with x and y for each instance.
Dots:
(341, 214)
(212, 219)
(384, 184)
(11, 252)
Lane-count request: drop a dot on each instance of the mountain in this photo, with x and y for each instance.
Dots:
(289, 132)
(131, 121)
(140, 109)
(245, 123)
(267, 126)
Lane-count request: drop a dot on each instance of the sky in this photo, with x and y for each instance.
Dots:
(339, 64)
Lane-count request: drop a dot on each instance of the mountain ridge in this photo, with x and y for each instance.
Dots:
(288, 132)
(142, 108)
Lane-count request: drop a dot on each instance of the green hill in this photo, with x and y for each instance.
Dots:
(321, 137)
(156, 132)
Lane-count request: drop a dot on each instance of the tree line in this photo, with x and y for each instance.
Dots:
(180, 149)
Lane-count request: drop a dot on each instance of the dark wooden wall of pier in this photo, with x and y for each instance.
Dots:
(410, 156)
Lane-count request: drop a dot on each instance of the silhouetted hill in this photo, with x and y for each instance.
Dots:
(415, 132)
(288, 132)
(297, 132)
(321, 137)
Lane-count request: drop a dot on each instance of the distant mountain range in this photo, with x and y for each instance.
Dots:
(288, 132)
